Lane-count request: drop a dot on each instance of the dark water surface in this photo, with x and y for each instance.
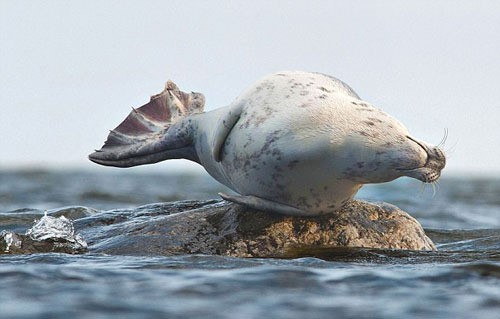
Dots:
(461, 280)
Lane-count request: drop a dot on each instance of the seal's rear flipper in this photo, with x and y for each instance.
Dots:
(147, 134)
(264, 205)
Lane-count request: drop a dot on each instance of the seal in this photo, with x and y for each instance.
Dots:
(295, 143)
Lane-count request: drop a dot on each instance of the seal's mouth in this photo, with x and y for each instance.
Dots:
(431, 170)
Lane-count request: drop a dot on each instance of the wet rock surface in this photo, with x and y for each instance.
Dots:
(24, 244)
(223, 228)
(217, 227)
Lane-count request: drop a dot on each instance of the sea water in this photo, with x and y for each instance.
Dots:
(460, 280)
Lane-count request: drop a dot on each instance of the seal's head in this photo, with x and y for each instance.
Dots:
(429, 169)
(384, 150)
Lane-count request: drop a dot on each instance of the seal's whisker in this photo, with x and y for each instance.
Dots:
(422, 188)
(451, 149)
(434, 189)
(443, 140)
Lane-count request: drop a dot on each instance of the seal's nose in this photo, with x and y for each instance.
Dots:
(434, 163)
(436, 158)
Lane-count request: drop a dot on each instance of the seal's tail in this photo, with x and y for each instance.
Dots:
(146, 135)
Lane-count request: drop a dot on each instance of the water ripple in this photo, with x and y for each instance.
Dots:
(460, 280)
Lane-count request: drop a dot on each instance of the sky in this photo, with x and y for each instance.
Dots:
(71, 70)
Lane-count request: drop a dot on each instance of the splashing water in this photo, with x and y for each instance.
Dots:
(49, 227)
(10, 239)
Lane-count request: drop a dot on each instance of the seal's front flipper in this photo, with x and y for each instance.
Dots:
(154, 132)
(224, 127)
(264, 205)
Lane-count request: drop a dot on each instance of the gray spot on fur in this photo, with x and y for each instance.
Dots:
(322, 88)
(374, 119)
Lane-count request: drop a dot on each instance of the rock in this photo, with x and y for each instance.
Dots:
(223, 228)
(217, 227)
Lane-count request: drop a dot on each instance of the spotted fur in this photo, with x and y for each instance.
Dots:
(302, 143)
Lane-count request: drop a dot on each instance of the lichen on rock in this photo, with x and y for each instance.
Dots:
(358, 224)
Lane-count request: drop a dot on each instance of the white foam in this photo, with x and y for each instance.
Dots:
(10, 239)
(49, 227)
